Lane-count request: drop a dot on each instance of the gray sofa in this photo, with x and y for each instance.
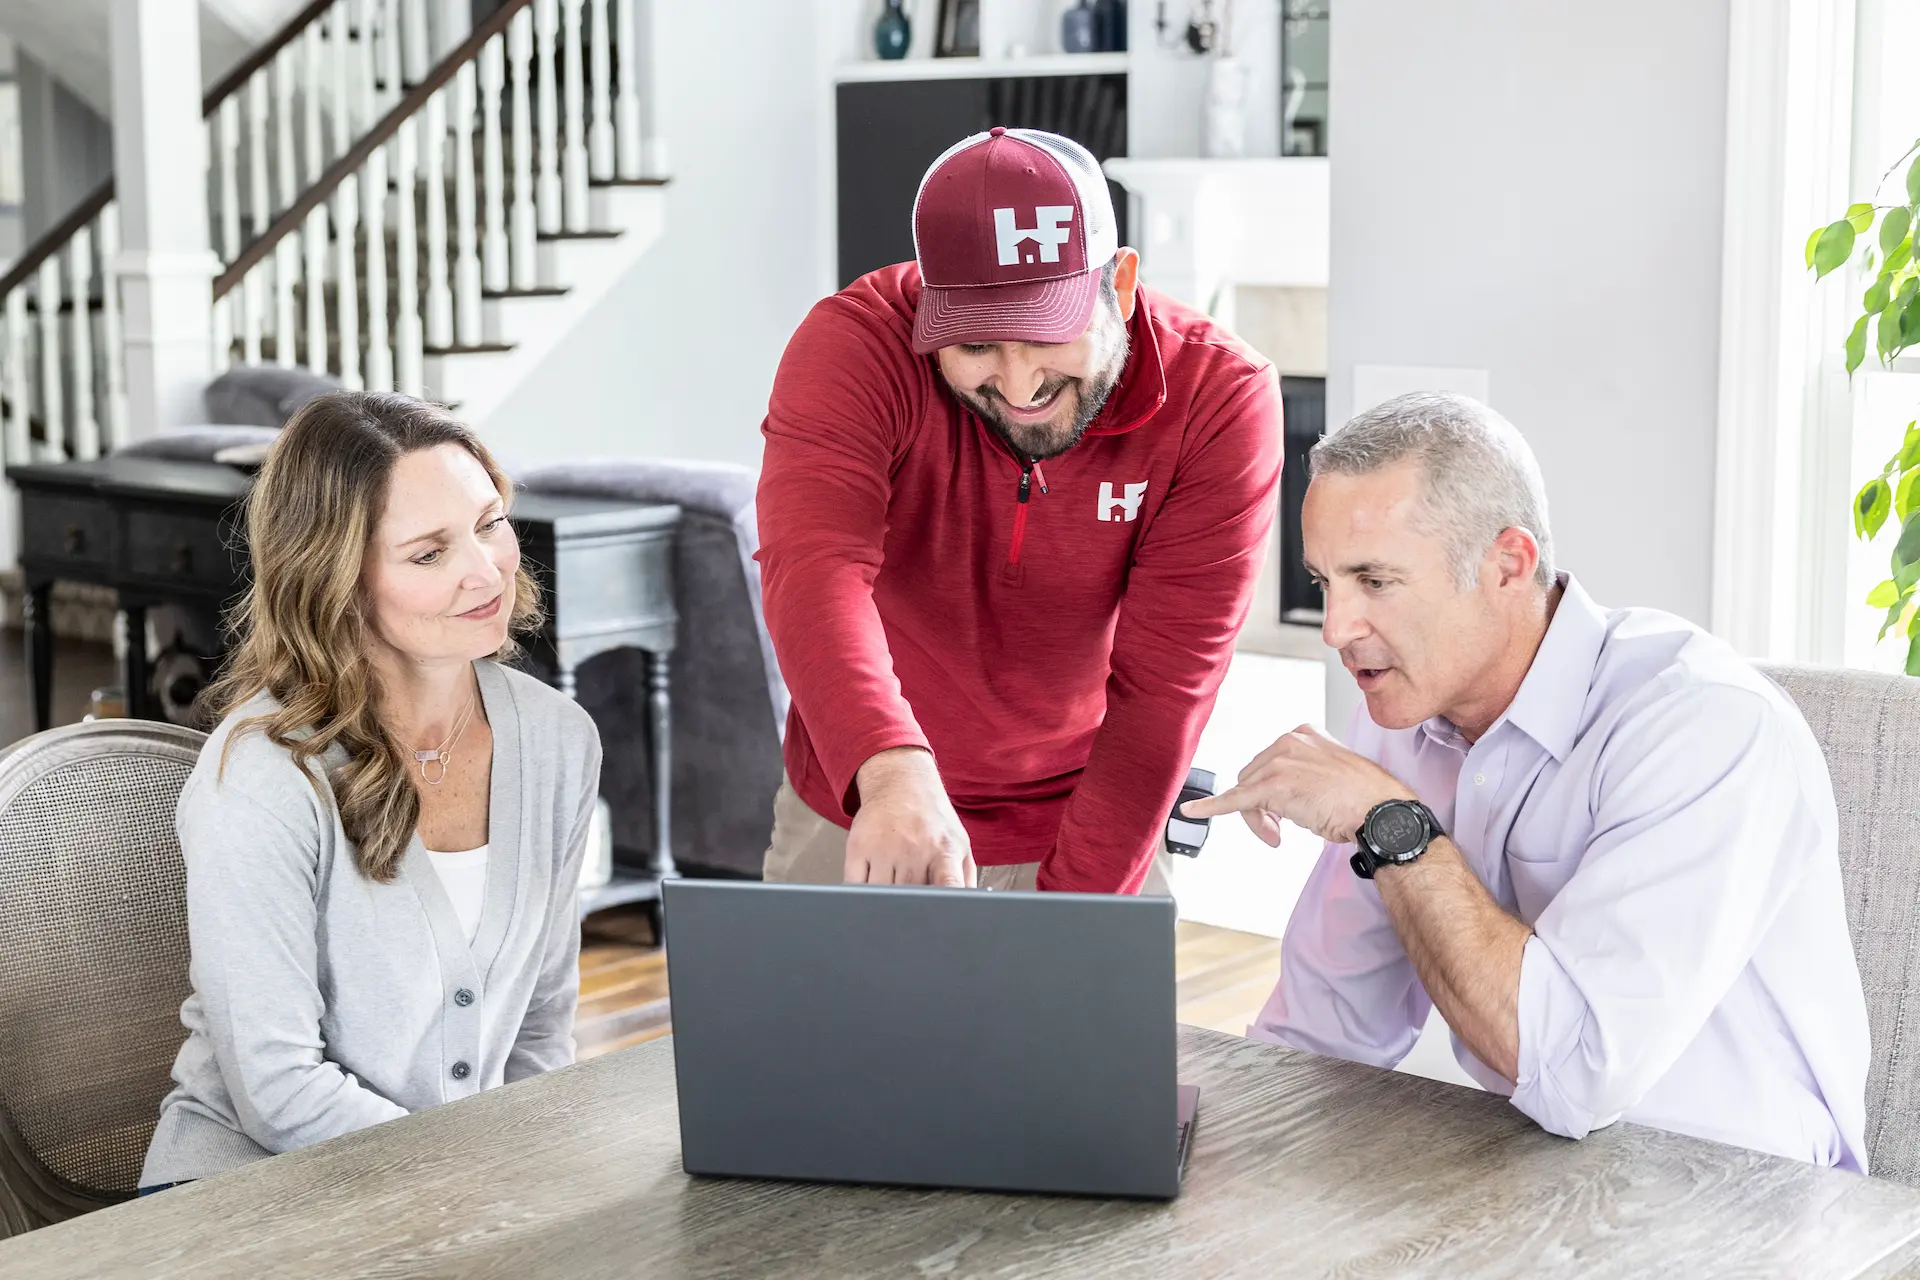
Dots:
(730, 704)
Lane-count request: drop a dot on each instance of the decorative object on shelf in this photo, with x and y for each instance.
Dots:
(1889, 324)
(1303, 71)
(1198, 35)
(1223, 124)
(1110, 26)
(893, 32)
(1079, 29)
(958, 35)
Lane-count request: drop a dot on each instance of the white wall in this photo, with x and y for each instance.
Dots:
(1535, 190)
(677, 360)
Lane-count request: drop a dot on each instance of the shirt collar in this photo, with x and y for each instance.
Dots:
(1141, 390)
(1552, 700)
(1553, 697)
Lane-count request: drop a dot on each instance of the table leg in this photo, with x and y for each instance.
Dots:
(134, 673)
(39, 628)
(662, 769)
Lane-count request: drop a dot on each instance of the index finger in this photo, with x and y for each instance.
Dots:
(1233, 800)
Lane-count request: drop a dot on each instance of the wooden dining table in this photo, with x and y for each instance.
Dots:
(1301, 1166)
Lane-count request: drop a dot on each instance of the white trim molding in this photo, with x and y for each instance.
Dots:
(1783, 439)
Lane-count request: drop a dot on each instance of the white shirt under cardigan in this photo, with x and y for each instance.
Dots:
(324, 1002)
(1660, 815)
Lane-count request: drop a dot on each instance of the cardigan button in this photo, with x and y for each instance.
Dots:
(461, 1071)
(463, 997)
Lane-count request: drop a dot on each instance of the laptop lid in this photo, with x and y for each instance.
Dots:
(935, 1037)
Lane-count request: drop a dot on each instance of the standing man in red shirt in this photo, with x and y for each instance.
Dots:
(1011, 512)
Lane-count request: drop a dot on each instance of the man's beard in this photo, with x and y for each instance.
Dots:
(1042, 440)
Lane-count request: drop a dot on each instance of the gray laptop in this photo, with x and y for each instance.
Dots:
(929, 1037)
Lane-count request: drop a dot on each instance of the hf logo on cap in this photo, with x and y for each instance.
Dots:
(1053, 226)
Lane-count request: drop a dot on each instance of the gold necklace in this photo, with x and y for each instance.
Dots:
(443, 755)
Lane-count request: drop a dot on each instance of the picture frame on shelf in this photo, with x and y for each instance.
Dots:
(957, 34)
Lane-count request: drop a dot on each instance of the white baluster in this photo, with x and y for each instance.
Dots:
(19, 431)
(407, 340)
(346, 279)
(627, 103)
(365, 69)
(374, 214)
(312, 88)
(414, 40)
(223, 333)
(86, 429)
(252, 289)
(466, 273)
(546, 22)
(600, 134)
(433, 146)
(313, 239)
(286, 269)
(259, 205)
(390, 83)
(113, 350)
(284, 74)
(573, 160)
(525, 261)
(53, 413)
(493, 248)
(340, 100)
(226, 156)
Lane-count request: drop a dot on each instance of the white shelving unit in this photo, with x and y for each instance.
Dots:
(1053, 64)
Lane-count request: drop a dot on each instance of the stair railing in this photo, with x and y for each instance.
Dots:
(388, 255)
(274, 124)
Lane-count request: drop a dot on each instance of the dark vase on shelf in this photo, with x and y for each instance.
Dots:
(1110, 25)
(893, 32)
(1079, 29)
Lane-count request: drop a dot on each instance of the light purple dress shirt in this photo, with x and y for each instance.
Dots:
(1660, 815)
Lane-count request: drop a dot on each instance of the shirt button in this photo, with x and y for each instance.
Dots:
(463, 997)
(1479, 779)
(461, 1071)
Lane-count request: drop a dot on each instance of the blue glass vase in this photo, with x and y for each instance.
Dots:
(893, 32)
(1079, 29)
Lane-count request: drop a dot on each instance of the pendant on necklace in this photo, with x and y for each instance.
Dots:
(426, 758)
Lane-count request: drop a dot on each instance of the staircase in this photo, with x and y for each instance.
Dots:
(398, 221)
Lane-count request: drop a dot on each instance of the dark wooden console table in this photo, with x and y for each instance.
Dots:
(162, 532)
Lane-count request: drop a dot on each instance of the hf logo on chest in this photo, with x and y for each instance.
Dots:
(1124, 505)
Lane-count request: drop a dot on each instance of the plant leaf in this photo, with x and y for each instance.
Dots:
(1884, 596)
(1909, 455)
(1857, 344)
(1913, 657)
(1870, 509)
(1813, 241)
(1894, 228)
(1860, 216)
(1899, 257)
(1833, 248)
(1893, 616)
(1878, 294)
(1913, 182)
(1910, 322)
(1907, 550)
(1904, 495)
(1886, 334)
(1906, 578)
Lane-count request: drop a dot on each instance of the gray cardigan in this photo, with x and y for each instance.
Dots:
(324, 1002)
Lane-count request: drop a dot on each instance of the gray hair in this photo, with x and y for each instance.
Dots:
(1481, 477)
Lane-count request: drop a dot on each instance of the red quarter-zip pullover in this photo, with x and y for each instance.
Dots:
(1054, 635)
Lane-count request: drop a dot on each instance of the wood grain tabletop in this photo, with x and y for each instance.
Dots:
(1302, 1166)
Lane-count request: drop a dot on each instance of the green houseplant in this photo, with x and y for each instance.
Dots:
(1890, 321)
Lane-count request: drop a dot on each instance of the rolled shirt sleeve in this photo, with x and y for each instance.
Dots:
(1702, 831)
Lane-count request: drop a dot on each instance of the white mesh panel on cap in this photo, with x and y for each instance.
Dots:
(1103, 235)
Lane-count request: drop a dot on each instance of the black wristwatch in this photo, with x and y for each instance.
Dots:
(1395, 833)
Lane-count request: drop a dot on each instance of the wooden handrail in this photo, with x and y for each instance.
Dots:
(356, 157)
(101, 196)
(236, 79)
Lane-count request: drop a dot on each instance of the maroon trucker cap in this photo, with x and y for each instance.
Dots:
(1011, 229)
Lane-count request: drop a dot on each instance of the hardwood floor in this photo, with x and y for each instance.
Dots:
(1224, 977)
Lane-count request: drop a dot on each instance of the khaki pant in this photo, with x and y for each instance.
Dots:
(810, 849)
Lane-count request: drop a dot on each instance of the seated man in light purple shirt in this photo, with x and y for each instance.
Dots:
(1620, 881)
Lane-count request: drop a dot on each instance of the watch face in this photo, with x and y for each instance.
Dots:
(1397, 829)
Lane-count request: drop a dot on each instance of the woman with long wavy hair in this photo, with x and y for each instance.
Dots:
(384, 833)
